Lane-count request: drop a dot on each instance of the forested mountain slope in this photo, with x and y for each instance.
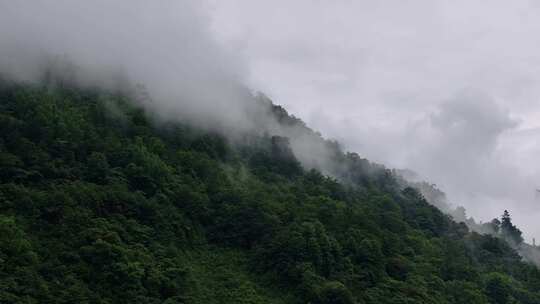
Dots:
(100, 203)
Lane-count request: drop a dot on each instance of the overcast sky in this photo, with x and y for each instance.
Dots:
(450, 89)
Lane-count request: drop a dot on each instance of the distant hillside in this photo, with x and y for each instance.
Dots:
(101, 202)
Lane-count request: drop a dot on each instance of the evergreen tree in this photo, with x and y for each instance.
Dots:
(508, 230)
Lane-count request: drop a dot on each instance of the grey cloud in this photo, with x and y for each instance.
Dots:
(470, 124)
(387, 79)
(167, 46)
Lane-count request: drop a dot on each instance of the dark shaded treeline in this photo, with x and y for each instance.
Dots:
(99, 203)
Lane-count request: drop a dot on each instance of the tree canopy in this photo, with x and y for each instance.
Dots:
(110, 206)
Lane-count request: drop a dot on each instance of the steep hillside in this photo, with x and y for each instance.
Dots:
(101, 203)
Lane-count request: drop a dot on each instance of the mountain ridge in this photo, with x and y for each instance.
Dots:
(103, 206)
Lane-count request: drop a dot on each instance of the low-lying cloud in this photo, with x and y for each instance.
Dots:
(167, 46)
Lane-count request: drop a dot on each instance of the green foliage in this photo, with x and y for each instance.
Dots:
(101, 204)
(508, 229)
(498, 288)
(334, 293)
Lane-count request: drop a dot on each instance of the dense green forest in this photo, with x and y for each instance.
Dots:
(102, 203)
